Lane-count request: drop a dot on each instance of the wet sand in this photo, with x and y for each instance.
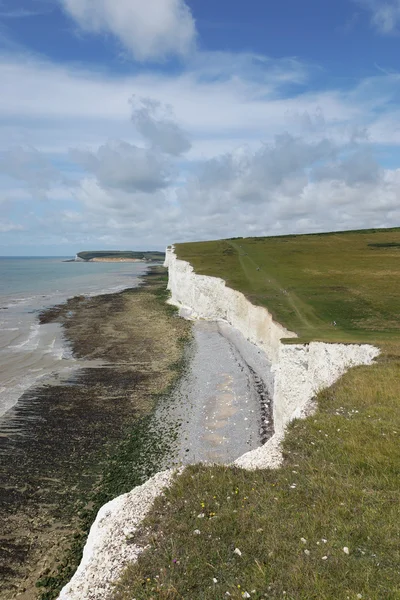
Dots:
(69, 446)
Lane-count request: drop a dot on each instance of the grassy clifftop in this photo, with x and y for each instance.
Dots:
(334, 287)
(326, 525)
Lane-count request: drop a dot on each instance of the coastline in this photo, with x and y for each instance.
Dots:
(119, 260)
(257, 338)
(70, 446)
(30, 353)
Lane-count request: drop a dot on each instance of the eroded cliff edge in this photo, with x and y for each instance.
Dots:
(300, 371)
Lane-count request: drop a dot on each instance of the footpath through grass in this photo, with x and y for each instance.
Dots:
(326, 526)
(308, 282)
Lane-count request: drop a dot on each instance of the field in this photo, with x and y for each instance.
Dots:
(326, 525)
(310, 282)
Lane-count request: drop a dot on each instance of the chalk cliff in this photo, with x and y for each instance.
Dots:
(300, 370)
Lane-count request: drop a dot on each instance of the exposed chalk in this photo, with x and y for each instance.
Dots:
(108, 549)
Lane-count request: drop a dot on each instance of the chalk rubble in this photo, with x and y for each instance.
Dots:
(108, 549)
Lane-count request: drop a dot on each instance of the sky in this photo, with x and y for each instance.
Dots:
(127, 124)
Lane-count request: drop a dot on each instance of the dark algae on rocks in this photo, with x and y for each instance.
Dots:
(69, 446)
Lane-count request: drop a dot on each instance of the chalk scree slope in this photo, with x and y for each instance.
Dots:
(300, 371)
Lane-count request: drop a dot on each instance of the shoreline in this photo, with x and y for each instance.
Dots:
(30, 353)
(57, 440)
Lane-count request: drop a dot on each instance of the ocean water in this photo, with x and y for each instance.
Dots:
(30, 352)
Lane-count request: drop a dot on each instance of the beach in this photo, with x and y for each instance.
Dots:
(78, 440)
(148, 390)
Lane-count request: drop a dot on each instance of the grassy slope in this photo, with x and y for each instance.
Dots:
(340, 484)
(309, 281)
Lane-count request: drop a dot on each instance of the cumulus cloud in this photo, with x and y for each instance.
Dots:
(27, 164)
(253, 177)
(148, 30)
(293, 184)
(192, 213)
(120, 165)
(359, 166)
(155, 122)
(260, 162)
(118, 204)
(385, 16)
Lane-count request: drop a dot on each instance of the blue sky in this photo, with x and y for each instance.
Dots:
(131, 124)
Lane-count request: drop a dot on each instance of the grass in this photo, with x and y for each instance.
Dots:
(309, 282)
(326, 525)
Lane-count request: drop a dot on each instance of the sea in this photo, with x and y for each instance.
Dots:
(30, 353)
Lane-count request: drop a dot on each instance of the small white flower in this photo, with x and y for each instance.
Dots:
(307, 552)
(293, 486)
(197, 532)
(359, 596)
(245, 595)
(346, 550)
(324, 558)
(303, 540)
(215, 580)
(201, 516)
(237, 551)
(324, 540)
(227, 594)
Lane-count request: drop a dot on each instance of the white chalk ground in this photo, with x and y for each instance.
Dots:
(108, 549)
(300, 372)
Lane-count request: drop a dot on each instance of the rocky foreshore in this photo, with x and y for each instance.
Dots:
(70, 446)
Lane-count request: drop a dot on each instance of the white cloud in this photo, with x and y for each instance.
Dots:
(121, 165)
(216, 103)
(155, 122)
(291, 185)
(239, 158)
(28, 165)
(147, 29)
(298, 206)
(385, 16)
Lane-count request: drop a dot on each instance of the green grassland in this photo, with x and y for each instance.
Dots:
(307, 282)
(325, 526)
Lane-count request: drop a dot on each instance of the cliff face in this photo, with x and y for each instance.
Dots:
(300, 370)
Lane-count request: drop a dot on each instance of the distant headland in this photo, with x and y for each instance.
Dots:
(119, 256)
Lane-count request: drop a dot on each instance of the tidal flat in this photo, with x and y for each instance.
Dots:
(69, 446)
